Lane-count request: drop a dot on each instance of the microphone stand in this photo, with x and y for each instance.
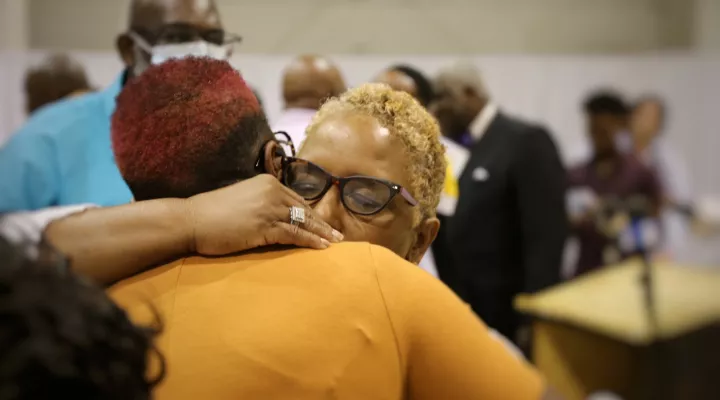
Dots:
(657, 379)
(646, 277)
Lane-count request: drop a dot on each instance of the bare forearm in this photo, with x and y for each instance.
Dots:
(109, 244)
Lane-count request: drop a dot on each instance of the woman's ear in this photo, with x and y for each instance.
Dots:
(273, 160)
(426, 233)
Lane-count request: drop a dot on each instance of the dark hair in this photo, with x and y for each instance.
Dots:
(186, 127)
(58, 77)
(62, 337)
(424, 88)
(606, 102)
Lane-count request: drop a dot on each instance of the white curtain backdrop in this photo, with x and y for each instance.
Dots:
(548, 89)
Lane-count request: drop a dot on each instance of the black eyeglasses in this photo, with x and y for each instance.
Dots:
(362, 195)
(287, 141)
(184, 33)
(280, 152)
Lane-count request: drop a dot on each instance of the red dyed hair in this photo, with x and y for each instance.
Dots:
(186, 126)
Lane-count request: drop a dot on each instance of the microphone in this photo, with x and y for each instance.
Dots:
(639, 209)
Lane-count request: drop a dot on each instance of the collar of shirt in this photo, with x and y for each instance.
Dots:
(111, 92)
(482, 121)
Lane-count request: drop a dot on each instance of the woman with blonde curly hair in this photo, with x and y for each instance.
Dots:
(373, 167)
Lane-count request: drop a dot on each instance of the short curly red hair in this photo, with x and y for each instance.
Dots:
(187, 126)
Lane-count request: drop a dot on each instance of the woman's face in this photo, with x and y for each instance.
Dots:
(353, 144)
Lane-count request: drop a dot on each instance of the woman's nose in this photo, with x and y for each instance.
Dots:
(330, 208)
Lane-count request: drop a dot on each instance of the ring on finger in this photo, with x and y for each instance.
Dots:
(297, 215)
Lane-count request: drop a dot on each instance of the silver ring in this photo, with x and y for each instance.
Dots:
(297, 215)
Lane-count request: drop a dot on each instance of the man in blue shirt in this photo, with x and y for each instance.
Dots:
(63, 154)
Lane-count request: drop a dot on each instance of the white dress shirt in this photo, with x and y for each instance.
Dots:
(294, 121)
(482, 121)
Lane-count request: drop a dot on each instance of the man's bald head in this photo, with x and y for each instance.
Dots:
(148, 18)
(57, 77)
(461, 95)
(463, 76)
(309, 80)
(153, 14)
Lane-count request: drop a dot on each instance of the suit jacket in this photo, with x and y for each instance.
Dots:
(508, 232)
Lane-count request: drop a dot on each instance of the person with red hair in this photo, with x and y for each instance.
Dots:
(162, 150)
(354, 320)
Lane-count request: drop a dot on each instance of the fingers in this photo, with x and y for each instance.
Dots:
(312, 223)
(296, 198)
(284, 233)
(315, 225)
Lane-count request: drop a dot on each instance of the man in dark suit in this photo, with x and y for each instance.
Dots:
(509, 228)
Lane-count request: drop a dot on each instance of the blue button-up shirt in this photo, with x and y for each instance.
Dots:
(63, 156)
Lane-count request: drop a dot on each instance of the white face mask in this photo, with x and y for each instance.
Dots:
(163, 52)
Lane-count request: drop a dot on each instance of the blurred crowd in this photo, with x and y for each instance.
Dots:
(176, 159)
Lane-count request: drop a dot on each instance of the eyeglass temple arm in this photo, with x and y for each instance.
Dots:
(408, 197)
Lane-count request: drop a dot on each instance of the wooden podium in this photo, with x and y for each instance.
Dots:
(593, 333)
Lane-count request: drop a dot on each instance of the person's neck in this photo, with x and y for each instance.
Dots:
(462, 136)
(309, 104)
(642, 145)
(479, 106)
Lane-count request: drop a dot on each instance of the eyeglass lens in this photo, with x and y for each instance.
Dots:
(361, 195)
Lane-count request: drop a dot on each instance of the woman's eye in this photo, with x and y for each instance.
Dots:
(364, 200)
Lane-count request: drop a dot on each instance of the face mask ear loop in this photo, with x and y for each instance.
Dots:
(140, 41)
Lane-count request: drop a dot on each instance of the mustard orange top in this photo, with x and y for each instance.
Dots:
(351, 322)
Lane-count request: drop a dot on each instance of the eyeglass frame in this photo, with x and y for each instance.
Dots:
(152, 37)
(280, 152)
(340, 182)
(288, 141)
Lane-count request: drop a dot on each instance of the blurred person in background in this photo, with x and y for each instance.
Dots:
(509, 227)
(307, 82)
(57, 77)
(409, 80)
(62, 155)
(63, 337)
(647, 125)
(609, 187)
(355, 320)
(437, 260)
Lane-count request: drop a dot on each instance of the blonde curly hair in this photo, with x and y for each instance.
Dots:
(407, 121)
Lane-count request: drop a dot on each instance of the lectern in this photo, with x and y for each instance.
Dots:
(593, 333)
